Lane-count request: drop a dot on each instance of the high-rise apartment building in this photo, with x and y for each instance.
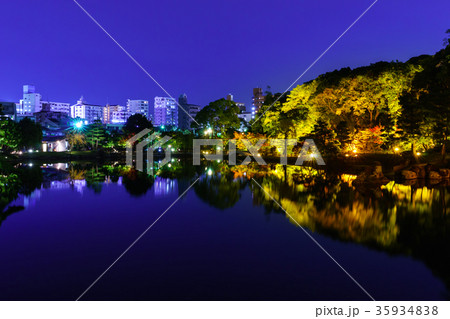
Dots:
(165, 112)
(258, 100)
(115, 114)
(139, 107)
(89, 112)
(185, 119)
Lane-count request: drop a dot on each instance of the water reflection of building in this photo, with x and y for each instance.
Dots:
(32, 199)
(78, 185)
(164, 186)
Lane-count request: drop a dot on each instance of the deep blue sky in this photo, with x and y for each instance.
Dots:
(203, 48)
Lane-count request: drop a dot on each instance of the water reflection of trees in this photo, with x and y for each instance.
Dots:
(394, 218)
(14, 181)
(219, 186)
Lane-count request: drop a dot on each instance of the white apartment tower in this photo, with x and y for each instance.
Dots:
(139, 107)
(89, 112)
(32, 103)
(165, 111)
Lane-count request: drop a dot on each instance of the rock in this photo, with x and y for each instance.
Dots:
(372, 177)
(419, 170)
(434, 175)
(409, 174)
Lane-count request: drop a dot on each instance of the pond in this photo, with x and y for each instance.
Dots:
(62, 225)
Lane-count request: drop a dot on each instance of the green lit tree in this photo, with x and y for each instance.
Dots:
(95, 134)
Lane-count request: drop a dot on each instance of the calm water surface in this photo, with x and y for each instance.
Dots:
(62, 225)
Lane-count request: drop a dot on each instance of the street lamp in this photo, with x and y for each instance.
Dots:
(79, 124)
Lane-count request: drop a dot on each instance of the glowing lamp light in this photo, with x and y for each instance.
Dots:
(418, 153)
(396, 149)
(30, 151)
(346, 155)
(170, 165)
(173, 150)
(208, 131)
(354, 151)
(210, 172)
(312, 155)
(79, 124)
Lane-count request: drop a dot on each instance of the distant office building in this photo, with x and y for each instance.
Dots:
(239, 104)
(32, 103)
(89, 112)
(258, 100)
(165, 111)
(139, 107)
(115, 114)
(59, 107)
(246, 116)
(185, 120)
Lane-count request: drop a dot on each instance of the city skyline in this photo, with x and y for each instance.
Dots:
(213, 63)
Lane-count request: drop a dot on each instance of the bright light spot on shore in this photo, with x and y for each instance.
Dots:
(173, 150)
(312, 155)
(30, 151)
(354, 151)
(396, 149)
(79, 124)
(346, 155)
(418, 153)
(259, 155)
(210, 172)
(170, 165)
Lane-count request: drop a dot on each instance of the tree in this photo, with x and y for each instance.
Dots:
(427, 104)
(77, 141)
(9, 135)
(325, 139)
(95, 134)
(136, 123)
(221, 116)
(30, 134)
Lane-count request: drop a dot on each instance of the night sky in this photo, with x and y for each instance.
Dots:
(203, 48)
